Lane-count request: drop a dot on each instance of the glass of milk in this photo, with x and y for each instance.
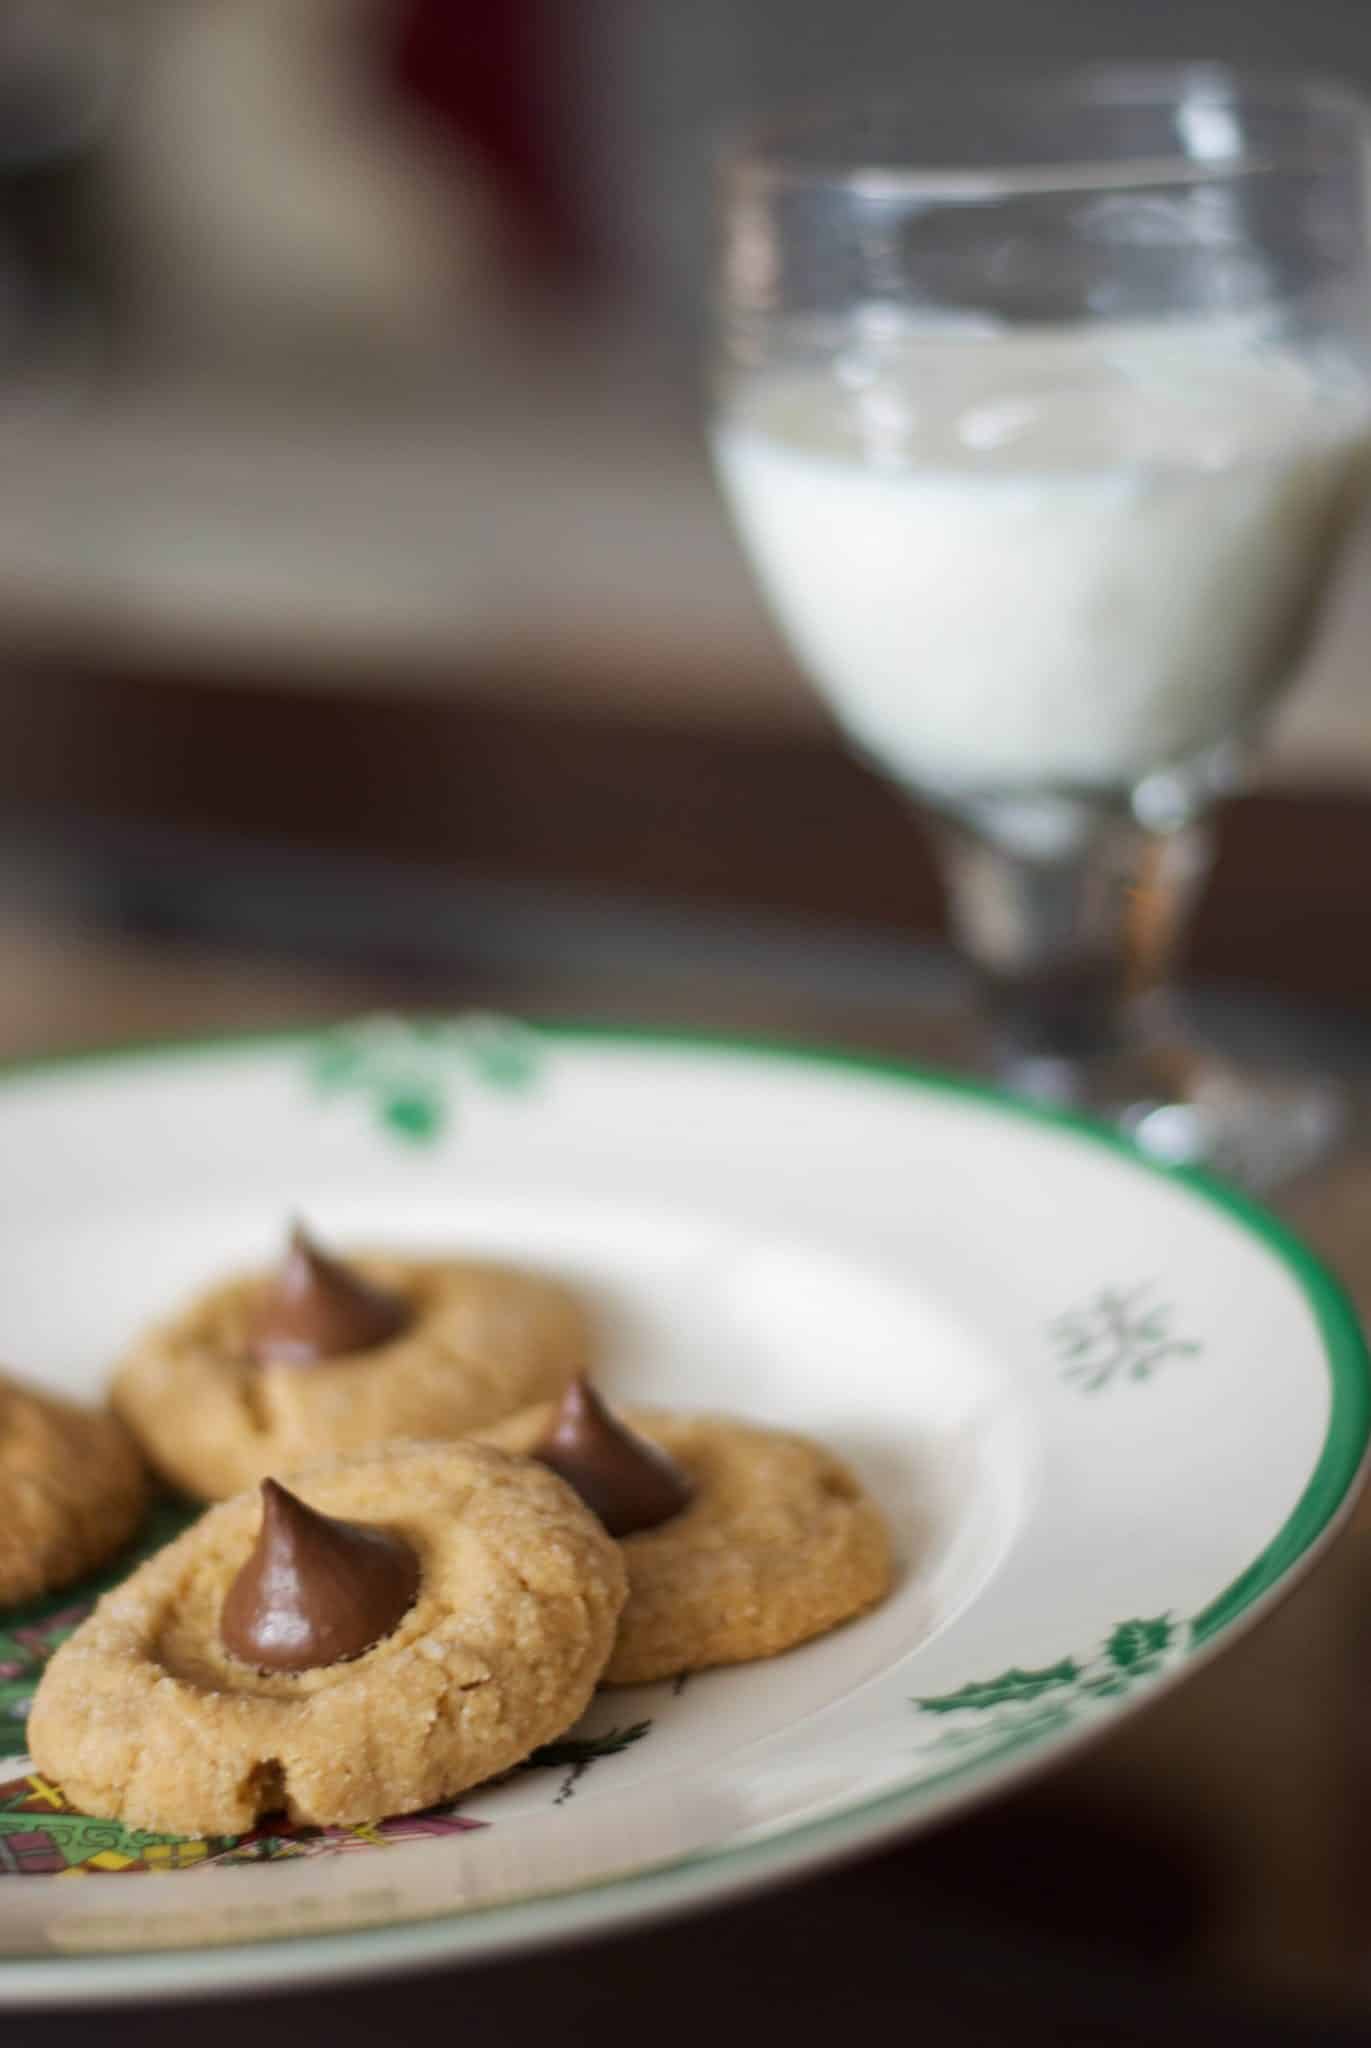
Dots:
(1042, 411)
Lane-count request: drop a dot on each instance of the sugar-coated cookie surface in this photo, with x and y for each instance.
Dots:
(143, 1716)
(73, 1489)
(778, 1543)
(483, 1340)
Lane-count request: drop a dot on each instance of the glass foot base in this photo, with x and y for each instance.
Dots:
(1258, 1127)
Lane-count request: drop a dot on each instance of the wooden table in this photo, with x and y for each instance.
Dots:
(1198, 1876)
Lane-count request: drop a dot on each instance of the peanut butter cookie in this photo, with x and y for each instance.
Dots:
(270, 1372)
(73, 1489)
(740, 1542)
(404, 1625)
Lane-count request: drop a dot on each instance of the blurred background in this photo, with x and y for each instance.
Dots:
(356, 502)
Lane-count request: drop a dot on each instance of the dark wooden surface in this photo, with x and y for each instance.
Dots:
(1200, 1876)
(548, 795)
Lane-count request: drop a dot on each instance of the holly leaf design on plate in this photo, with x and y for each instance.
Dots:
(1010, 1687)
(1134, 1643)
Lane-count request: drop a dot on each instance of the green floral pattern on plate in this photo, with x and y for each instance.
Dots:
(409, 1071)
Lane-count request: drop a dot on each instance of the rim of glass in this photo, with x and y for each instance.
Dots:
(769, 151)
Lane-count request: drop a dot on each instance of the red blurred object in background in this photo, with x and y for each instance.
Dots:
(481, 70)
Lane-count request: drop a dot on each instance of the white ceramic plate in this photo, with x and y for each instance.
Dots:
(1108, 1411)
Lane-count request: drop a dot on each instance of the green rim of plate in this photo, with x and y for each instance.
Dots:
(1327, 1496)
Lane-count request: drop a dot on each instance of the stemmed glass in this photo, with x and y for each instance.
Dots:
(1042, 411)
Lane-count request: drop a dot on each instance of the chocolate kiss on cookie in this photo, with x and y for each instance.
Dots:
(629, 1483)
(316, 1307)
(315, 1590)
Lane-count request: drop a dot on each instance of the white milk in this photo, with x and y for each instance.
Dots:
(1040, 558)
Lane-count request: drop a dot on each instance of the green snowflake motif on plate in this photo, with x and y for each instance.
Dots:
(409, 1071)
(1121, 1334)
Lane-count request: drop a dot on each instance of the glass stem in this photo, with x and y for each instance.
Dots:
(1072, 934)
